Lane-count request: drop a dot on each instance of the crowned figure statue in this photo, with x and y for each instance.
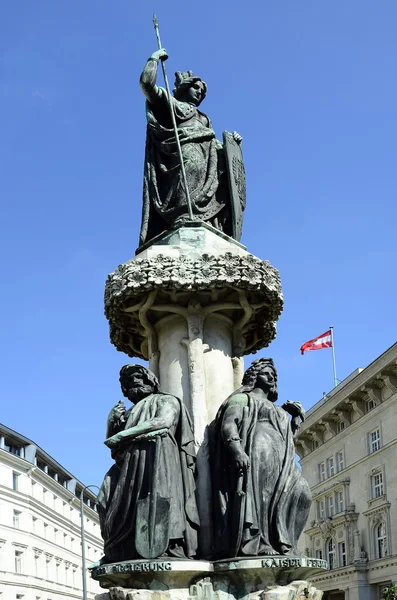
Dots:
(164, 193)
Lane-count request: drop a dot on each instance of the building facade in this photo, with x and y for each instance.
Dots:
(348, 452)
(40, 540)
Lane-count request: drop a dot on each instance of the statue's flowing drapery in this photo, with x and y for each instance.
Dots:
(164, 195)
(131, 479)
(277, 497)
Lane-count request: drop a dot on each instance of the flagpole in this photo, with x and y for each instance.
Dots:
(333, 355)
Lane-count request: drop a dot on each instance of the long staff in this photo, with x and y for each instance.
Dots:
(167, 87)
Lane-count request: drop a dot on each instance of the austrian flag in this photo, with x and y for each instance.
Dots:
(322, 341)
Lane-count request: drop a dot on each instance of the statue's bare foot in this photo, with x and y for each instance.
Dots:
(268, 551)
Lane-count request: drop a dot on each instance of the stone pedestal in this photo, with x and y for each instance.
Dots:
(267, 578)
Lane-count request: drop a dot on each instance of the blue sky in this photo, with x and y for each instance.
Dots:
(311, 87)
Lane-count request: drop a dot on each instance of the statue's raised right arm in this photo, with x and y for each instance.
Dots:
(149, 75)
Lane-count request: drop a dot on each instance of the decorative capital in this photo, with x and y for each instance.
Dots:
(244, 287)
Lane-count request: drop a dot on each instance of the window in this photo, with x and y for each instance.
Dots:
(315, 445)
(320, 509)
(15, 481)
(340, 463)
(330, 466)
(330, 506)
(34, 524)
(339, 501)
(342, 554)
(18, 561)
(370, 405)
(321, 471)
(15, 519)
(330, 550)
(319, 554)
(380, 540)
(374, 440)
(45, 530)
(340, 426)
(377, 485)
(13, 447)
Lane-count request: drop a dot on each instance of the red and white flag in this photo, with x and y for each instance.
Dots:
(322, 341)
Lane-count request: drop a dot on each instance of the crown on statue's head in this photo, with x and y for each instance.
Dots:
(183, 77)
(183, 80)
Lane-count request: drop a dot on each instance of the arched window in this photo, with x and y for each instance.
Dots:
(380, 540)
(330, 552)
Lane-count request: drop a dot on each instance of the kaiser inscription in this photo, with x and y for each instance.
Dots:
(269, 563)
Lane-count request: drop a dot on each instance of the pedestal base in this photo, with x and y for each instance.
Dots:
(267, 578)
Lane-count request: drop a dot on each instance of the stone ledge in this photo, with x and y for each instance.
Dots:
(175, 235)
(174, 573)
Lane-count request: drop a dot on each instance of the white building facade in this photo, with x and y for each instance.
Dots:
(348, 452)
(40, 540)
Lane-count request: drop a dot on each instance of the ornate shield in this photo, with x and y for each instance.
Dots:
(236, 175)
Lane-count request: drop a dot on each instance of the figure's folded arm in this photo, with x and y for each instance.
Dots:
(167, 414)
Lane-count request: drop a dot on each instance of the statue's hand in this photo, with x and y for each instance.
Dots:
(242, 461)
(119, 410)
(160, 54)
(237, 137)
(114, 441)
(295, 409)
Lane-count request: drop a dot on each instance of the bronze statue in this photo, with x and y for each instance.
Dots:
(147, 505)
(215, 179)
(261, 501)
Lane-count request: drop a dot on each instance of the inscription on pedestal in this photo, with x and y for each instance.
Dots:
(129, 567)
(269, 563)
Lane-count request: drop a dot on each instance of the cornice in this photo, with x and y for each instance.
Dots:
(336, 573)
(385, 363)
(378, 508)
(57, 588)
(330, 523)
(97, 542)
(340, 482)
(382, 563)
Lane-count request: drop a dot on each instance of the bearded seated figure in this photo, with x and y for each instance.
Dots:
(147, 504)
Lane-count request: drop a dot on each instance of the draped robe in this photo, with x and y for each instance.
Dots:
(164, 194)
(277, 496)
(131, 478)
